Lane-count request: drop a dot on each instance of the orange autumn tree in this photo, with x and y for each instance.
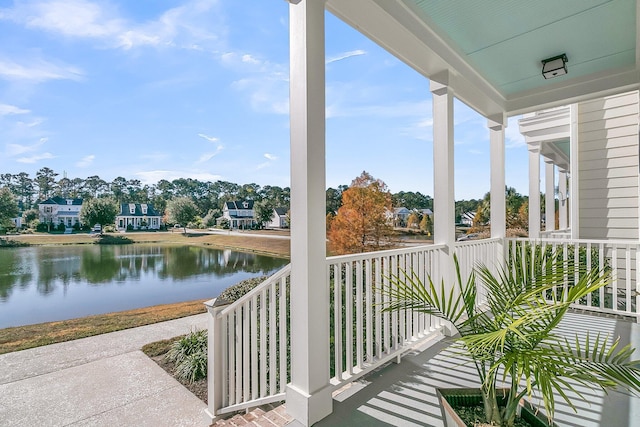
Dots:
(362, 222)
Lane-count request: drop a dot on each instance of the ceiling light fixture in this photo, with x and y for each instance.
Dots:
(554, 67)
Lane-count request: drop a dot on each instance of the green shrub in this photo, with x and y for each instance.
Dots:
(189, 353)
(109, 229)
(235, 292)
(105, 239)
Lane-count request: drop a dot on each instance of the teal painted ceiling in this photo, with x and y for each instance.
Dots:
(505, 40)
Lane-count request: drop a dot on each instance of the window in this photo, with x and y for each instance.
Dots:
(245, 205)
(144, 209)
(132, 209)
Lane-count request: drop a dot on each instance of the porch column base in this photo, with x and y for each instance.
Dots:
(308, 409)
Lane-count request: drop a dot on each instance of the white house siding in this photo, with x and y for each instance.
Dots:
(608, 167)
(608, 174)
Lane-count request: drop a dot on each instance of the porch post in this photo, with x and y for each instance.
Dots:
(308, 396)
(534, 191)
(444, 232)
(563, 200)
(549, 196)
(498, 202)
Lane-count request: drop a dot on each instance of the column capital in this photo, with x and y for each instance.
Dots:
(497, 122)
(439, 83)
(533, 147)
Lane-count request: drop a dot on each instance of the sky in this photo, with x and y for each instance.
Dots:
(159, 89)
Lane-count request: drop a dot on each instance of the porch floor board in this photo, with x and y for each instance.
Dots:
(405, 394)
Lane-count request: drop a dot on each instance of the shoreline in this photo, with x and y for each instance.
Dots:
(260, 243)
(18, 338)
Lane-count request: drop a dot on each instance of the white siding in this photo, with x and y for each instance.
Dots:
(608, 167)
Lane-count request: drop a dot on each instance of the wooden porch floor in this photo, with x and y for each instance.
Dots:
(405, 394)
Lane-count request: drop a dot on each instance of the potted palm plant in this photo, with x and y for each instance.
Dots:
(511, 336)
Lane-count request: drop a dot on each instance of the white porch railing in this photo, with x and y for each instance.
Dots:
(362, 336)
(622, 296)
(248, 347)
(556, 234)
(487, 252)
(248, 340)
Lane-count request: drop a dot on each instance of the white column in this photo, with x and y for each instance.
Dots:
(534, 192)
(308, 396)
(563, 200)
(574, 204)
(549, 196)
(444, 232)
(498, 202)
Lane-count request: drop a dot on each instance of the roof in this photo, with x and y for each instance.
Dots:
(57, 200)
(239, 204)
(125, 209)
(281, 211)
(490, 53)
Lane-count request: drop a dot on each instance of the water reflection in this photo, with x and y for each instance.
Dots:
(131, 275)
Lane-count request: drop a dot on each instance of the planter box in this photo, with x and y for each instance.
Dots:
(473, 397)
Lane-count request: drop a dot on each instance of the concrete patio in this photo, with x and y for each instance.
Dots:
(103, 380)
(405, 394)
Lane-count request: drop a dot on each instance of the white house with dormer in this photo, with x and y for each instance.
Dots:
(138, 216)
(240, 214)
(59, 210)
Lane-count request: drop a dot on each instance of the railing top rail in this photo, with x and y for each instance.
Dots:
(377, 254)
(274, 277)
(478, 241)
(629, 242)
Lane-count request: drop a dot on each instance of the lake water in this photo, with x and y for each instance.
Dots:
(43, 284)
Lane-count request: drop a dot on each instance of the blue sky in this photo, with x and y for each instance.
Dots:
(158, 89)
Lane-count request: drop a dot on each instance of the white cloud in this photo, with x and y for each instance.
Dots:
(207, 137)
(155, 157)
(270, 159)
(512, 136)
(86, 161)
(38, 70)
(346, 55)
(6, 109)
(17, 149)
(265, 83)
(35, 158)
(153, 176)
(183, 26)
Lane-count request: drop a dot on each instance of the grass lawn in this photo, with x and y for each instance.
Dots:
(23, 337)
(252, 242)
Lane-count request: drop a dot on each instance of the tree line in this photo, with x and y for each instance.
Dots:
(208, 197)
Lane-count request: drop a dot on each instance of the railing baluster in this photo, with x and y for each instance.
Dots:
(348, 315)
(272, 341)
(588, 268)
(246, 388)
(254, 347)
(614, 267)
(369, 310)
(283, 356)
(263, 343)
(232, 366)
(359, 312)
(337, 322)
(601, 255)
(378, 310)
(627, 280)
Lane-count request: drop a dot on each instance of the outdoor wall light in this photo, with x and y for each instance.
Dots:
(554, 67)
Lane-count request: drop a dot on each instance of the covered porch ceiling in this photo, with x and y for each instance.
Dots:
(490, 53)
